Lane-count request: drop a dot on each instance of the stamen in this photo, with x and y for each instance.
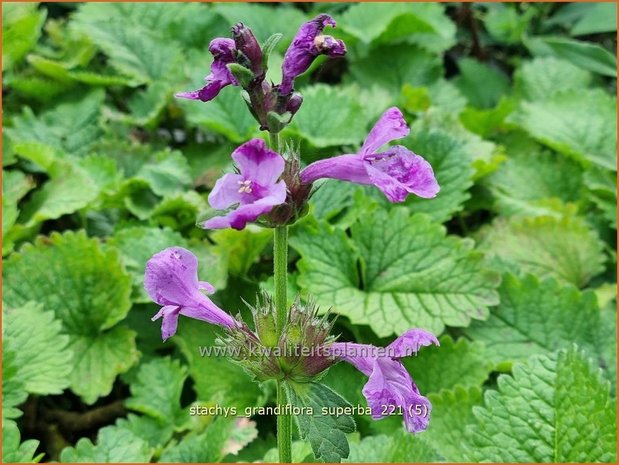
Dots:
(245, 187)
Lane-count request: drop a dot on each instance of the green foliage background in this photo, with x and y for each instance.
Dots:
(512, 265)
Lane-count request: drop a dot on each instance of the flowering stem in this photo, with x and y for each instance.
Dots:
(280, 276)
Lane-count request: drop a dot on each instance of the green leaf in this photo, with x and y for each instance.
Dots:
(529, 177)
(145, 106)
(602, 188)
(504, 23)
(452, 411)
(481, 84)
(137, 245)
(597, 18)
(114, 444)
(147, 428)
(134, 47)
(382, 278)
(564, 248)
(15, 185)
(545, 77)
(585, 55)
(42, 357)
(538, 317)
(157, 391)
(407, 64)
(553, 409)
(226, 115)
(216, 378)
(424, 24)
(462, 363)
(15, 451)
(13, 390)
(398, 447)
(72, 126)
(342, 122)
(100, 359)
(222, 437)
(167, 173)
(68, 273)
(21, 29)
(579, 123)
(325, 431)
(88, 290)
(452, 168)
(242, 248)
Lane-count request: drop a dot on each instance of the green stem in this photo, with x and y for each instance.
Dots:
(280, 276)
(284, 428)
(274, 141)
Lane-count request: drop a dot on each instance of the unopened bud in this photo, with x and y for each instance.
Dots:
(247, 44)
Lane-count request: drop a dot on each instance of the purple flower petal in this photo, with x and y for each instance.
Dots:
(258, 163)
(170, 320)
(345, 167)
(226, 191)
(307, 44)
(223, 51)
(390, 126)
(171, 280)
(361, 356)
(410, 342)
(255, 191)
(398, 172)
(243, 214)
(391, 385)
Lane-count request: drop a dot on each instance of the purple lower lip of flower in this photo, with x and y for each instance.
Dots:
(171, 280)
(390, 388)
(252, 192)
(223, 51)
(308, 43)
(397, 172)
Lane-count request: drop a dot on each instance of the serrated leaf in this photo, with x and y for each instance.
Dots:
(398, 447)
(147, 428)
(88, 290)
(544, 77)
(21, 28)
(72, 126)
(528, 177)
(157, 391)
(553, 409)
(564, 248)
(452, 411)
(505, 24)
(579, 123)
(15, 185)
(325, 433)
(461, 363)
(342, 122)
(216, 378)
(424, 24)
(134, 49)
(408, 64)
(383, 278)
(226, 115)
(101, 358)
(242, 248)
(15, 451)
(42, 357)
(114, 444)
(538, 317)
(602, 189)
(13, 389)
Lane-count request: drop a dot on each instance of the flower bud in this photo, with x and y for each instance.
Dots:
(247, 44)
(294, 103)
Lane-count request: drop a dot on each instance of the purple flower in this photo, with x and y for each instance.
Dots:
(224, 53)
(308, 43)
(171, 280)
(255, 190)
(390, 388)
(397, 171)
